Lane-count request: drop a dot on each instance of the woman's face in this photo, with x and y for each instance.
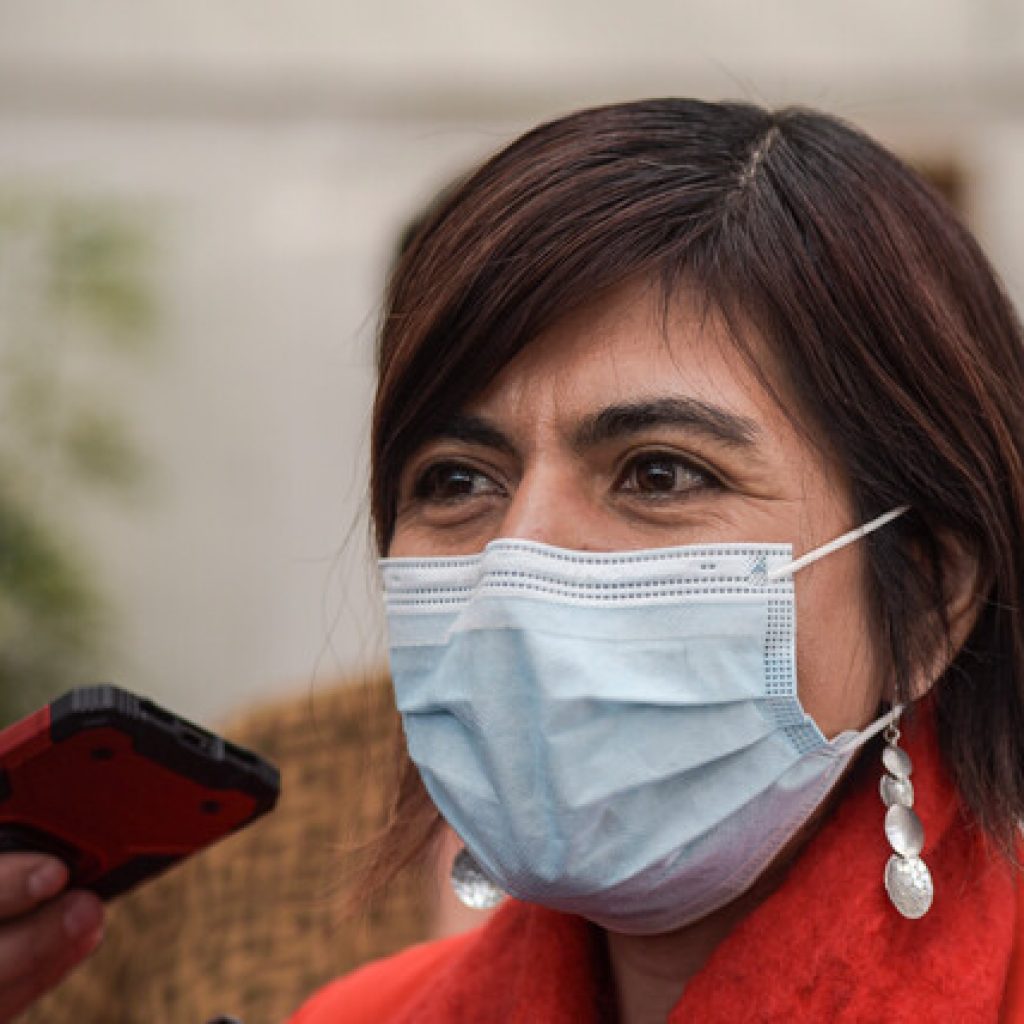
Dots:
(615, 431)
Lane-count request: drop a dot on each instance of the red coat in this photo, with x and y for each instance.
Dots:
(826, 946)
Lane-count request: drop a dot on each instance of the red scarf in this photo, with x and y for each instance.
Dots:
(826, 946)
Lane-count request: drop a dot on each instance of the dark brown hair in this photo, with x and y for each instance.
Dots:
(877, 310)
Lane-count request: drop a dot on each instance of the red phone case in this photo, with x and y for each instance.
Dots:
(121, 789)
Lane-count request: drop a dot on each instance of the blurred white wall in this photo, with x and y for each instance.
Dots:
(277, 149)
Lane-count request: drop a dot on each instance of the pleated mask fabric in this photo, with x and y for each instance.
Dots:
(614, 734)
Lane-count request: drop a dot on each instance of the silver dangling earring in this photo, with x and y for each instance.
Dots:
(907, 878)
(471, 885)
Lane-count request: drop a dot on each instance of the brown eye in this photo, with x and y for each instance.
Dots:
(450, 481)
(662, 474)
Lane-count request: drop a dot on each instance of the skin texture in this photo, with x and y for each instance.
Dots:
(44, 931)
(529, 462)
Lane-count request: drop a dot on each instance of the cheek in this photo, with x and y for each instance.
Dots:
(399, 546)
(839, 684)
(414, 542)
(420, 540)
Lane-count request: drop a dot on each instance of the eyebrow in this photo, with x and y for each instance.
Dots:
(617, 421)
(473, 430)
(691, 414)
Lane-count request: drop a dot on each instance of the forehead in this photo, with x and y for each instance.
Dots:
(628, 346)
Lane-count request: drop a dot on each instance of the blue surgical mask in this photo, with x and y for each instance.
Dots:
(616, 735)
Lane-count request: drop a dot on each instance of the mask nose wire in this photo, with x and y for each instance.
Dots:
(834, 545)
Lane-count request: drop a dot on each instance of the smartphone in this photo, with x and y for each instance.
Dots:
(120, 789)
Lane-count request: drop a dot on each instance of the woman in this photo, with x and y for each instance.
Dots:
(637, 364)
(658, 382)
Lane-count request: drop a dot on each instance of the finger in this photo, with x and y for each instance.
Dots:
(17, 998)
(34, 945)
(26, 879)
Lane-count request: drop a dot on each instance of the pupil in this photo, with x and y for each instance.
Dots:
(657, 476)
(455, 482)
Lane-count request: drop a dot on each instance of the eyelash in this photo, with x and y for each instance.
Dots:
(422, 490)
(704, 477)
(421, 485)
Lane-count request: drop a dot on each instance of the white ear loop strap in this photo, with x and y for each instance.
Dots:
(835, 545)
(860, 738)
(890, 718)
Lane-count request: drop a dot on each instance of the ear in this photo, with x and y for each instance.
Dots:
(963, 595)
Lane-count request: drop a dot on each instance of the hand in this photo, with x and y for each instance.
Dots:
(44, 931)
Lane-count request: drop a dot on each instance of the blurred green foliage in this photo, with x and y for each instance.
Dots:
(76, 304)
